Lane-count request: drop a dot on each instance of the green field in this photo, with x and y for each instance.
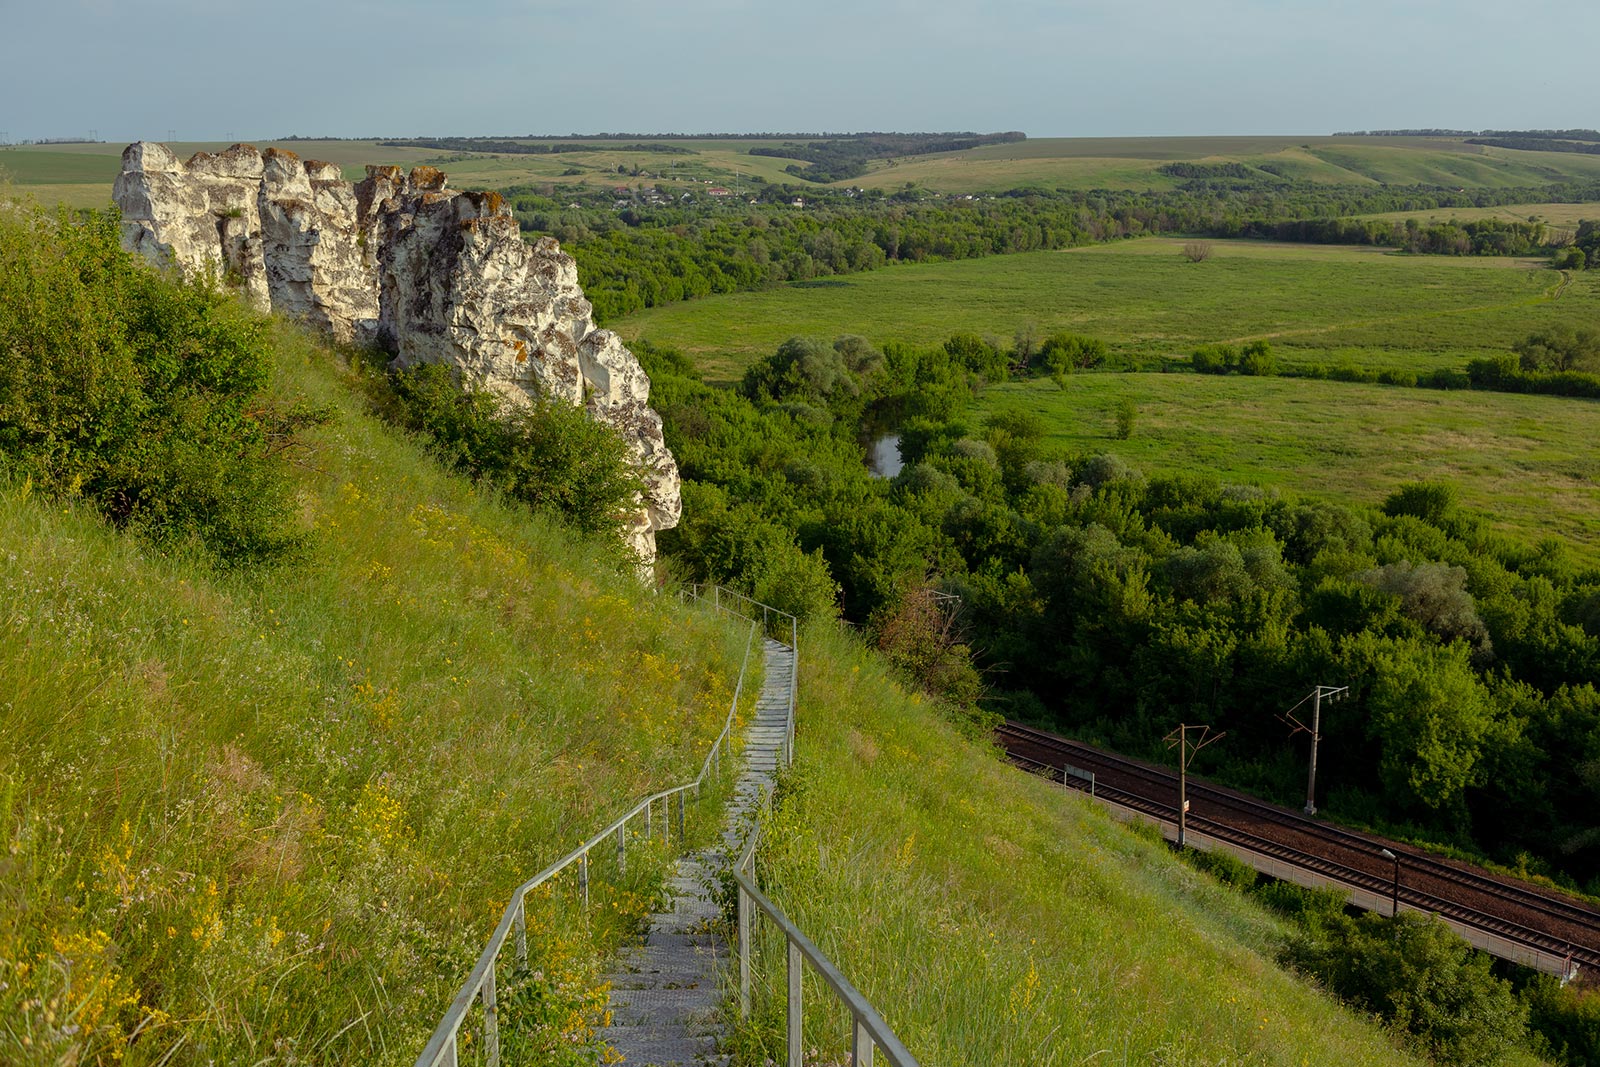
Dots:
(1134, 162)
(82, 174)
(1318, 304)
(1527, 462)
(1559, 215)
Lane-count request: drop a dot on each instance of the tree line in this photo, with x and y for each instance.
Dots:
(643, 255)
(1116, 605)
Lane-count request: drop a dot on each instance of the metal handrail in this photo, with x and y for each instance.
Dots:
(718, 595)
(868, 1031)
(441, 1049)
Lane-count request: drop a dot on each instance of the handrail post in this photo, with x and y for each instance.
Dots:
(796, 1015)
(491, 1022)
(744, 954)
(681, 803)
(622, 848)
(649, 830)
(519, 922)
(860, 1045)
(583, 881)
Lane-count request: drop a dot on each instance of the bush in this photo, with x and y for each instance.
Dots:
(1256, 359)
(1420, 977)
(1127, 415)
(144, 395)
(550, 456)
(1214, 359)
(1224, 867)
(1446, 378)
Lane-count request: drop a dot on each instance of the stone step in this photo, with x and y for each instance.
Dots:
(665, 994)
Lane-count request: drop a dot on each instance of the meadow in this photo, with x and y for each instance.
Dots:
(1134, 163)
(273, 813)
(1526, 462)
(1562, 216)
(1329, 305)
(81, 174)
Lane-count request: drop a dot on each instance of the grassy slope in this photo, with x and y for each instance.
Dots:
(1134, 162)
(1318, 304)
(1051, 163)
(994, 919)
(1527, 461)
(276, 814)
(1559, 215)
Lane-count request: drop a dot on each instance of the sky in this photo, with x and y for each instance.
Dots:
(230, 69)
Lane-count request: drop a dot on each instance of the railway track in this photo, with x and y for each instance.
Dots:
(1524, 914)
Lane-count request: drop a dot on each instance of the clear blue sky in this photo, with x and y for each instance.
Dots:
(218, 69)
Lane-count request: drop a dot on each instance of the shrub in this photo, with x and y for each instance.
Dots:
(144, 395)
(1256, 359)
(1127, 415)
(1417, 975)
(1198, 251)
(1214, 359)
(1065, 352)
(550, 456)
(1445, 378)
(1224, 867)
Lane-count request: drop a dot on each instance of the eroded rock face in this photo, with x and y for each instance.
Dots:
(433, 275)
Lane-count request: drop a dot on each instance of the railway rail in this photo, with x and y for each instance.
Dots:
(1526, 915)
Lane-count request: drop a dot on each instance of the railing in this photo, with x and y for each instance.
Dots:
(441, 1050)
(868, 1031)
(723, 599)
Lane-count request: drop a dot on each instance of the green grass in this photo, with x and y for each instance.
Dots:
(1048, 163)
(1559, 215)
(994, 919)
(1525, 461)
(275, 814)
(1323, 304)
(1134, 162)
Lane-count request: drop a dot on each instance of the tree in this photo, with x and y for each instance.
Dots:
(1429, 716)
(1434, 594)
(1417, 975)
(1560, 348)
(1127, 415)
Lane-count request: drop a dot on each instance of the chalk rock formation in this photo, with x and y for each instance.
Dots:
(432, 275)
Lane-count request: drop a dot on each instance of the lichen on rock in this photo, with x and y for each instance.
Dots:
(431, 274)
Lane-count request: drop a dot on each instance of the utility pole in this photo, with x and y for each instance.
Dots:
(1316, 696)
(1179, 739)
(1394, 898)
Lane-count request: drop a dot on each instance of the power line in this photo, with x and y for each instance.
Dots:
(1179, 739)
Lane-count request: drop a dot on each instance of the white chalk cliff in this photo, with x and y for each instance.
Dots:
(431, 274)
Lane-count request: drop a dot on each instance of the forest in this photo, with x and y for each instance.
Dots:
(1113, 605)
(633, 254)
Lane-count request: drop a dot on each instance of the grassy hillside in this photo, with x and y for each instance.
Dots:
(1134, 163)
(1565, 216)
(1317, 304)
(994, 919)
(271, 816)
(83, 173)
